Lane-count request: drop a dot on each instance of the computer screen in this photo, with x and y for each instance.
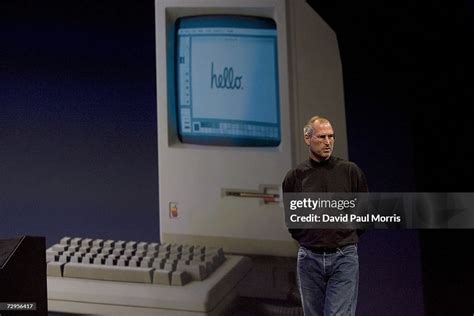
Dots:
(227, 80)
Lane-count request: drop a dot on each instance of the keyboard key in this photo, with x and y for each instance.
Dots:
(121, 262)
(213, 259)
(109, 244)
(140, 253)
(142, 246)
(164, 248)
(163, 255)
(215, 250)
(76, 241)
(175, 256)
(180, 264)
(59, 248)
(176, 248)
(146, 263)
(134, 263)
(65, 241)
(99, 260)
(86, 242)
(198, 257)
(90, 255)
(95, 250)
(199, 250)
(101, 255)
(198, 272)
(119, 244)
(110, 273)
(187, 249)
(129, 252)
(69, 253)
(73, 248)
(161, 276)
(151, 253)
(170, 265)
(87, 260)
(158, 263)
(118, 251)
(136, 258)
(63, 258)
(107, 250)
(180, 278)
(98, 243)
(55, 269)
(187, 256)
(84, 249)
(154, 246)
(51, 256)
(125, 257)
(209, 267)
(131, 245)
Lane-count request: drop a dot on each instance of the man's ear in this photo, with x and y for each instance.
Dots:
(307, 139)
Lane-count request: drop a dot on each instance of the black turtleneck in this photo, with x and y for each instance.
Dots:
(331, 175)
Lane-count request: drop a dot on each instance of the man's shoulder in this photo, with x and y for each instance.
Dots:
(338, 162)
(304, 165)
(299, 169)
(357, 176)
(301, 166)
(344, 163)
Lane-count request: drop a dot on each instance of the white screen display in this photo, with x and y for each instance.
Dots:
(228, 84)
(238, 83)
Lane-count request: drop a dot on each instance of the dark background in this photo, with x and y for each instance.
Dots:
(78, 152)
(78, 147)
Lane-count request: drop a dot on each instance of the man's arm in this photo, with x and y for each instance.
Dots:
(359, 185)
(358, 180)
(290, 185)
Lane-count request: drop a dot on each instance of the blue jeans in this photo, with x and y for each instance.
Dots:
(329, 282)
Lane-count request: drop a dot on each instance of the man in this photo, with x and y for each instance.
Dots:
(328, 264)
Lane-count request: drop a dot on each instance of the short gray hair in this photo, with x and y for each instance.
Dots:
(308, 128)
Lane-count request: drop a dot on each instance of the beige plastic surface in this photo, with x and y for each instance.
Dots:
(110, 298)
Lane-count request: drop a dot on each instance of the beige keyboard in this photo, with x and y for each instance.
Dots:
(107, 277)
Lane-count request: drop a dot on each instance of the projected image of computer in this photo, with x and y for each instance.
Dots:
(223, 123)
(227, 80)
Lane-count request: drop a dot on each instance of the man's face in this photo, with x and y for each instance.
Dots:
(321, 141)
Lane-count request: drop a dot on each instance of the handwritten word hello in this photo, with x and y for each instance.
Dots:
(226, 80)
